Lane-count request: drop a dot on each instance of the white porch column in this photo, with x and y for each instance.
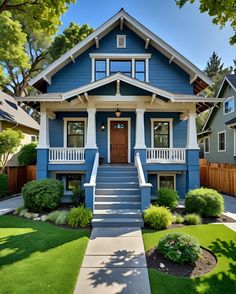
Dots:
(43, 131)
(192, 132)
(140, 130)
(91, 129)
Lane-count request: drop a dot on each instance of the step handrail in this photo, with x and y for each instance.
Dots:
(138, 164)
(94, 171)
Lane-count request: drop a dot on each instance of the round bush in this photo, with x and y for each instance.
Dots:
(179, 248)
(42, 195)
(158, 217)
(168, 198)
(206, 202)
(3, 185)
(79, 216)
(28, 154)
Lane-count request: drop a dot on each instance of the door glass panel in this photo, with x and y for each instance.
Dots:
(119, 126)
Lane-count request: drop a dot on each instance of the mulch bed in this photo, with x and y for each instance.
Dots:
(202, 266)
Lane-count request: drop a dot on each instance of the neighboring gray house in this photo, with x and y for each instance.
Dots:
(219, 131)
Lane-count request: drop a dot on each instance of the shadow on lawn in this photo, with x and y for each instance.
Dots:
(43, 237)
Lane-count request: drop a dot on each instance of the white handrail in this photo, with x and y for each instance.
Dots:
(94, 171)
(166, 155)
(138, 164)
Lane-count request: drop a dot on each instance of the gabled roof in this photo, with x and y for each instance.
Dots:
(11, 112)
(155, 92)
(200, 79)
(228, 79)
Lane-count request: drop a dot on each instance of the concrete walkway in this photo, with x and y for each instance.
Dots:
(10, 204)
(230, 206)
(114, 262)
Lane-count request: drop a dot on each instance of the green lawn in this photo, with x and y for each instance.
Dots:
(37, 257)
(222, 280)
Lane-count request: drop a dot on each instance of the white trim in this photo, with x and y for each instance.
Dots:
(165, 174)
(66, 119)
(118, 37)
(137, 27)
(234, 142)
(170, 120)
(205, 138)
(226, 100)
(147, 70)
(93, 70)
(221, 86)
(120, 56)
(109, 119)
(218, 141)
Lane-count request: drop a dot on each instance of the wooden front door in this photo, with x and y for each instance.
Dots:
(119, 141)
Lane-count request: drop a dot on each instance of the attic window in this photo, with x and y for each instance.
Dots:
(121, 41)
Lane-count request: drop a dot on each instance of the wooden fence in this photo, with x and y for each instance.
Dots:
(221, 177)
(18, 176)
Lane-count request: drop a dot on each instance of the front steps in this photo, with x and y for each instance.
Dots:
(117, 197)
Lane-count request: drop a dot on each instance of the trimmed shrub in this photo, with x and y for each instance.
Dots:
(77, 197)
(158, 217)
(79, 216)
(42, 195)
(178, 219)
(179, 248)
(59, 217)
(192, 219)
(28, 154)
(168, 198)
(3, 185)
(206, 202)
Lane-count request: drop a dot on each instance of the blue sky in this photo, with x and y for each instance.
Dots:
(187, 30)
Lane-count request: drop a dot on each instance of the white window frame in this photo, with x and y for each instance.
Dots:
(209, 140)
(227, 99)
(218, 141)
(66, 119)
(165, 174)
(170, 120)
(114, 56)
(117, 41)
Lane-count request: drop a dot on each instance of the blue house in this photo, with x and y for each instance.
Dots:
(118, 118)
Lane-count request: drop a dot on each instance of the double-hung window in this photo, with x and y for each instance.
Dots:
(161, 133)
(100, 69)
(207, 145)
(76, 134)
(122, 66)
(222, 141)
(140, 70)
(229, 105)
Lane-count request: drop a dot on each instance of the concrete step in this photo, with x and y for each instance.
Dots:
(117, 213)
(117, 205)
(121, 179)
(120, 198)
(117, 222)
(126, 185)
(117, 191)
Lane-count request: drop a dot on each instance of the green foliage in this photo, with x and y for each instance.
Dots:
(158, 217)
(179, 248)
(79, 216)
(28, 154)
(178, 219)
(77, 197)
(206, 202)
(222, 12)
(192, 219)
(3, 185)
(42, 195)
(168, 198)
(214, 65)
(59, 217)
(70, 37)
(9, 142)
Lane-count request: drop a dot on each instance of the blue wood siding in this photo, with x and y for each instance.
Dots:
(161, 74)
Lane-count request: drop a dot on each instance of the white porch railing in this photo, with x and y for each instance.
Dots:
(66, 155)
(166, 155)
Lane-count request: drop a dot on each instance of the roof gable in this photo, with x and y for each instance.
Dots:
(199, 79)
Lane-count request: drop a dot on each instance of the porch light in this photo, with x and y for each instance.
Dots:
(102, 127)
(118, 112)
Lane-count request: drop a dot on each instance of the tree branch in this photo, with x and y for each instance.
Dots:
(5, 6)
